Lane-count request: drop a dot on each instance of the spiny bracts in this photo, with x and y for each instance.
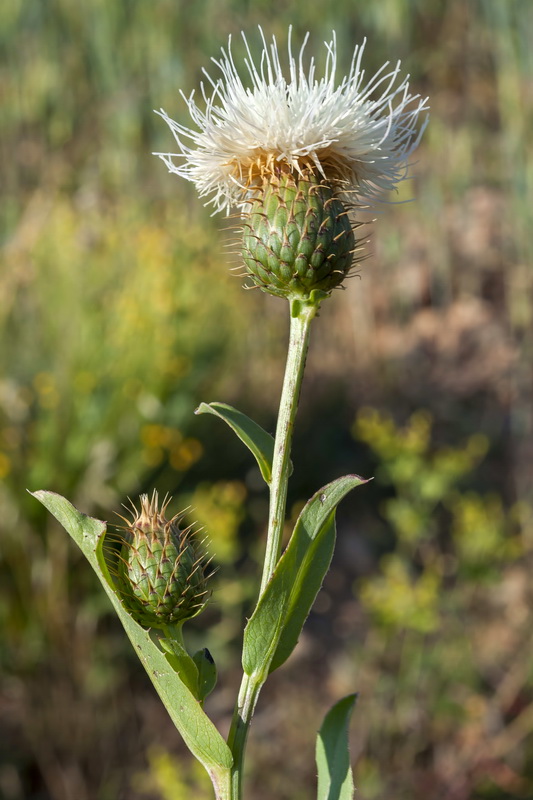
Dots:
(297, 236)
(160, 570)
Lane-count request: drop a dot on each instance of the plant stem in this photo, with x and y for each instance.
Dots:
(290, 395)
(301, 316)
(174, 632)
(240, 725)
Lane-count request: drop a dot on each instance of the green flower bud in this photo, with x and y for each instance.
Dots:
(297, 237)
(160, 570)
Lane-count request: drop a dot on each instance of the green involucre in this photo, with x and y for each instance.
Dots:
(297, 237)
(160, 571)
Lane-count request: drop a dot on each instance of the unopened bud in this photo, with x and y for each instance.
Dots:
(160, 572)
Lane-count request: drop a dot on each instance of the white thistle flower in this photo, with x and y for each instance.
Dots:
(356, 134)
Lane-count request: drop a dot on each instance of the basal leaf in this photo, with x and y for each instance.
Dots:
(335, 779)
(199, 733)
(258, 441)
(274, 627)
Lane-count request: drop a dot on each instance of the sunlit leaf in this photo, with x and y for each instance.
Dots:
(335, 779)
(199, 733)
(256, 439)
(273, 630)
(181, 662)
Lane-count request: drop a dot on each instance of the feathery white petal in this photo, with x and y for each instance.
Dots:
(355, 133)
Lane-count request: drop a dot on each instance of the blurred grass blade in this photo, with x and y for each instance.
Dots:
(335, 779)
(256, 439)
(197, 730)
(273, 629)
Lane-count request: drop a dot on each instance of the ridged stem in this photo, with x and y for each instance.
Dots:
(240, 725)
(301, 315)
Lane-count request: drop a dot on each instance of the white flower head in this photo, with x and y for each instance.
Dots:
(356, 133)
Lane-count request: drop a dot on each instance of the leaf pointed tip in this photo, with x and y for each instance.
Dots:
(58, 504)
(350, 699)
(258, 441)
(360, 478)
(45, 495)
(38, 493)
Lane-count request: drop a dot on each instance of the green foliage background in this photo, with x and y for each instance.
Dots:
(118, 315)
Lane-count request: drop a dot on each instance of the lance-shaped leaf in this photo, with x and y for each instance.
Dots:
(335, 779)
(197, 730)
(256, 439)
(273, 629)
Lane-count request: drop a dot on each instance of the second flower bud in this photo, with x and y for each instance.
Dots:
(160, 571)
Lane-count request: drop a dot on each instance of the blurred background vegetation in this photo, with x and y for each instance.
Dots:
(118, 315)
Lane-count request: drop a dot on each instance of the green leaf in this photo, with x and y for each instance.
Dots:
(207, 672)
(335, 779)
(197, 730)
(181, 662)
(273, 629)
(253, 435)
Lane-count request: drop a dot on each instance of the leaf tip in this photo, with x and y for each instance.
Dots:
(40, 494)
(360, 478)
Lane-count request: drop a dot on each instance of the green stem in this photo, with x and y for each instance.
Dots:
(174, 632)
(240, 725)
(301, 316)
